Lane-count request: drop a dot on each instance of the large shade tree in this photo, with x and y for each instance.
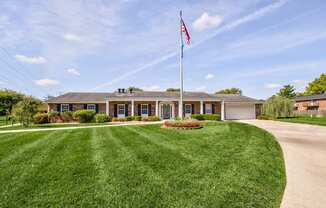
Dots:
(287, 91)
(8, 98)
(317, 86)
(232, 90)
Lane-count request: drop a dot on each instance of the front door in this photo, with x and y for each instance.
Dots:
(166, 111)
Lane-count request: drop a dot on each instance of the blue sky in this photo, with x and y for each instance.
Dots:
(51, 47)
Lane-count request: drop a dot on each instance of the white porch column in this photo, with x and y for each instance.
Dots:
(222, 110)
(132, 108)
(48, 108)
(156, 109)
(201, 107)
(107, 107)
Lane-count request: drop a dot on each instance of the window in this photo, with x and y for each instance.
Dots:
(91, 107)
(312, 108)
(144, 109)
(121, 109)
(188, 109)
(64, 107)
(208, 109)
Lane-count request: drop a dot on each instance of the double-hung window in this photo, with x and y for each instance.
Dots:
(121, 110)
(91, 107)
(64, 107)
(144, 110)
(208, 109)
(188, 110)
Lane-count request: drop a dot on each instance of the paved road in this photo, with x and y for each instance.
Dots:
(304, 148)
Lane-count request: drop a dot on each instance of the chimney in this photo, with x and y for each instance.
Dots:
(123, 90)
(119, 90)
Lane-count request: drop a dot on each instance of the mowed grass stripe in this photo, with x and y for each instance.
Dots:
(24, 143)
(67, 175)
(18, 182)
(134, 179)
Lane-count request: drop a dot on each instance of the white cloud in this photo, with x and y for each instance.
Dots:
(209, 76)
(205, 21)
(73, 72)
(31, 60)
(272, 86)
(243, 20)
(152, 88)
(299, 82)
(46, 82)
(72, 37)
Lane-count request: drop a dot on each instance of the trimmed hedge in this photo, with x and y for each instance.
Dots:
(133, 118)
(54, 117)
(210, 117)
(41, 118)
(151, 118)
(84, 116)
(67, 116)
(101, 118)
(119, 119)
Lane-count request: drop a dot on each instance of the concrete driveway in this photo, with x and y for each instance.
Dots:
(304, 148)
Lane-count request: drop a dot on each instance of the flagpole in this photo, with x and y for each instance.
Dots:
(181, 70)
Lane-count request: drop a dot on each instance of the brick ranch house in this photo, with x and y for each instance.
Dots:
(311, 104)
(161, 104)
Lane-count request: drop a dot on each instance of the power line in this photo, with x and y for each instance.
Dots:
(20, 74)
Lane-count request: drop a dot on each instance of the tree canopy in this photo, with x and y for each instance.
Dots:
(8, 98)
(172, 90)
(232, 90)
(287, 91)
(25, 109)
(277, 107)
(134, 89)
(317, 86)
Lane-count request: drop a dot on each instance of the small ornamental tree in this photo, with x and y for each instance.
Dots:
(25, 110)
(278, 107)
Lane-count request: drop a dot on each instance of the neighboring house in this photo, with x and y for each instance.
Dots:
(312, 103)
(162, 104)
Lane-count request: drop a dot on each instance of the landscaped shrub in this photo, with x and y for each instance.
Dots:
(119, 119)
(151, 118)
(67, 116)
(264, 117)
(101, 118)
(41, 118)
(54, 117)
(202, 117)
(278, 107)
(182, 124)
(84, 116)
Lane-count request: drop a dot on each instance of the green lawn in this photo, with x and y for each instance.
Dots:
(51, 125)
(220, 165)
(306, 120)
(2, 120)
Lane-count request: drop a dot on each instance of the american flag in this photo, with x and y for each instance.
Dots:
(185, 31)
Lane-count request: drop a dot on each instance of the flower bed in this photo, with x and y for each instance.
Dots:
(182, 124)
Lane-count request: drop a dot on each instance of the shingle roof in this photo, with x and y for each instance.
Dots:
(80, 97)
(237, 98)
(311, 97)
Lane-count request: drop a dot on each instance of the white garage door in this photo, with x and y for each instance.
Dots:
(240, 111)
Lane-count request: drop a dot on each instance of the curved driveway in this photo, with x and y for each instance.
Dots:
(304, 148)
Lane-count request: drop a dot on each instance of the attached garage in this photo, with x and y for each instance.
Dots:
(236, 111)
